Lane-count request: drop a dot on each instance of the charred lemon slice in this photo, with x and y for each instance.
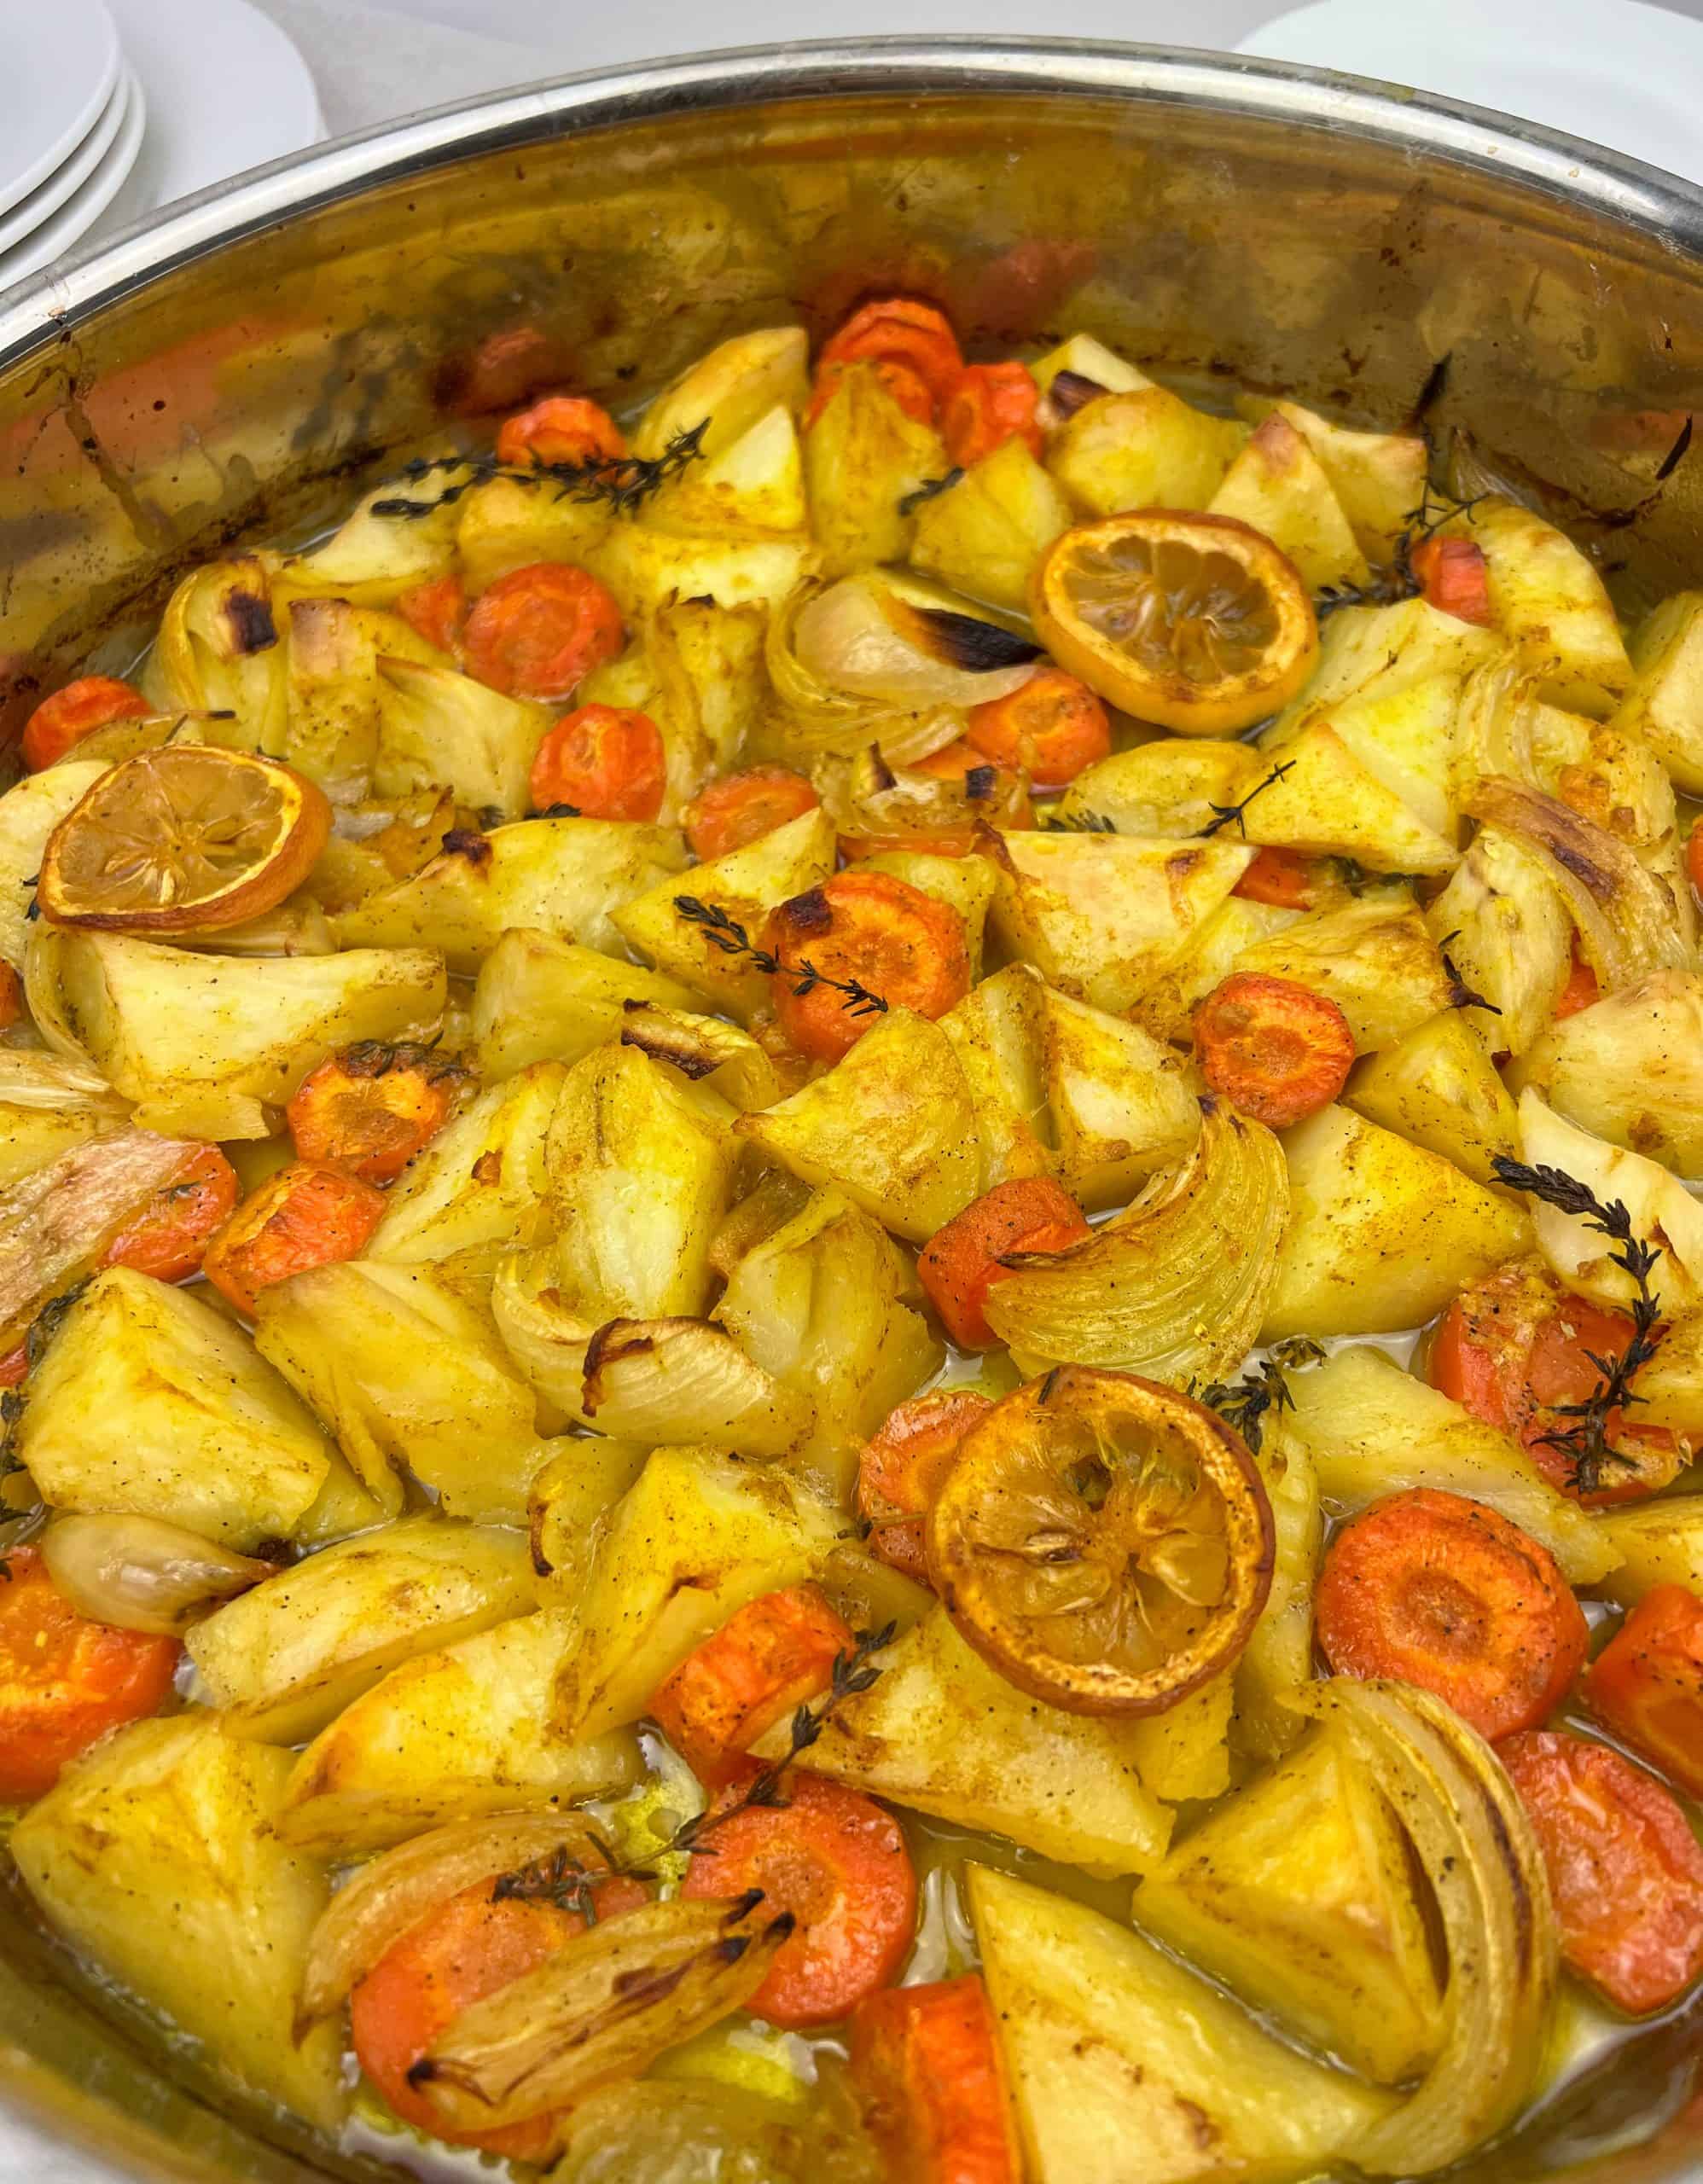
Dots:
(1104, 1543)
(1197, 623)
(182, 841)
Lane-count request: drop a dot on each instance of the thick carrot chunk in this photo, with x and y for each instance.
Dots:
(65, 1680)
(468, 1948)
(897, 330)
(60, 722)
(1283, 878)
(561, 429)
(987, 405)
(1280, 1051)
(926, 2061)
(603, 761)
(897, 947)
(766, 1659)
(539, 632)
(839, 1863)
(1437, 1590)
(304, 1216)
(436, 612)
(1050, 728)
(1625, 1871)
(960, 1262)
(1581, 989)
(1455, 578)
(371, 1107)
(900, 1472)
(1647, 1683)
(742, 808)
(168, 1238)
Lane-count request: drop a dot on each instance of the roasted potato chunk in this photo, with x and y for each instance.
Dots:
(447, 1736)
(150, 1400)
(1629, 1068)
(281, 1661)
(156, 1858)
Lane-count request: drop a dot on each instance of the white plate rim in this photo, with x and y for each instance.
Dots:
(23, 218)
(20, 185)
(61, 230)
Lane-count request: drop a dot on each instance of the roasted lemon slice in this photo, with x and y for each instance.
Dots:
(183, 840)
(1197, 623)
(1104, 1542)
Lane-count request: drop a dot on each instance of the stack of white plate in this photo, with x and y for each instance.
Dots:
(115, 107)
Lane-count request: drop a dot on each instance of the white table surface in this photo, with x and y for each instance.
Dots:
(374, 64)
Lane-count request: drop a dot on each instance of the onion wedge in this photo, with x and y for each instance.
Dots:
(389, 1897)
(55, 1223)
(138, 1573)
(1469, 1830)
(1626, 917)
(1175, 1286)
(602, 2009)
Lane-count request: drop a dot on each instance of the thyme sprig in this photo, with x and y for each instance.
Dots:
(1228, 814)
(725, 932)
(1460, 994)
(1243, 1403)
(622, 482)
(1077, 822)
(568, 1882)
(1398, 579)
(929, 490)
(1584, 1440)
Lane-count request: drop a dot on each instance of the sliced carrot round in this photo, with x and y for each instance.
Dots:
(168, 1238)
(926, 2061)
(1104, 1543)
(1516, 1348)
(1278, 1051)
(986, 405)
(607, 762)
(1456, 577)
(742, 808)
(1625, 1871)
(538, 631)
(64, 1679)
(1434, 1589)
(1647, 1683)
(898, 330)
(371, 1107)
(303, 1216)
(960, 1262)
(1052, 728)
(436, 612)
(60, 722)
(899, 946)
(769, 1657)
(839, 1863)
(561, 429)
(188, 838)
(1283, 878)
(900, 1471)
(467, 1949)
(907, 388)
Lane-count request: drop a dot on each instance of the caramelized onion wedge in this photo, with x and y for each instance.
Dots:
(141, 1574)
(1175, 1286)
(1469, 1830)
(603, 2008)
(389, 1896)
(819, 719)
(1626, 917)
(1104, 1542)
(863, 637)
(54, 1223)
